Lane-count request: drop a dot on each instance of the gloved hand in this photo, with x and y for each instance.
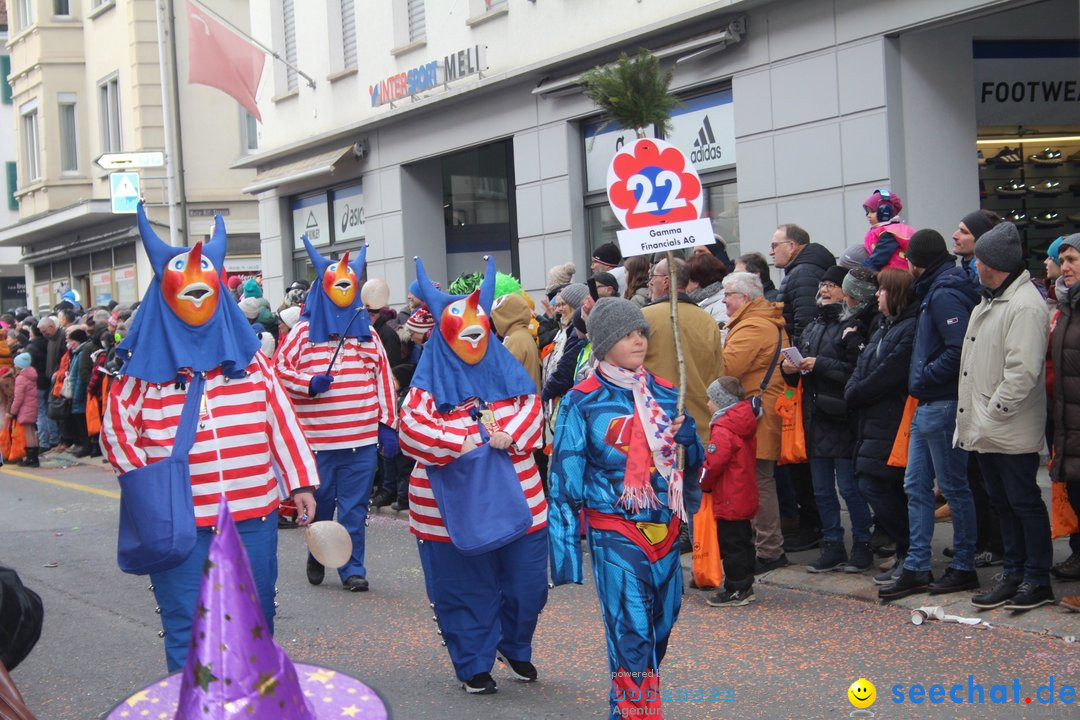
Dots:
(388, 441)
(319, 384)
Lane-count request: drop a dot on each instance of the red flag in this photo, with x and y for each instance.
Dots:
(220, 58)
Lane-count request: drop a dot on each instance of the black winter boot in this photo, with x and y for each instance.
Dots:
(31, 459)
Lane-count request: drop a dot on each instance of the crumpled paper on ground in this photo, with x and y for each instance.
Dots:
(935, 612)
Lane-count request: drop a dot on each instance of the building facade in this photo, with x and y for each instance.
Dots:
(12, 281)
(86, 80)
(452, 130)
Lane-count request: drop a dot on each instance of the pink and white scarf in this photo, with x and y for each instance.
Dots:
(654, 427)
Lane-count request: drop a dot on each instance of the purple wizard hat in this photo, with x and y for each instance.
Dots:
(234, 668)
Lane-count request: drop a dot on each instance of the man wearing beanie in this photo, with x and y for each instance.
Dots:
(614, 456)
(608, 258)
(971, 228)
(946, 295)
(1065, 351)
(1001, 414)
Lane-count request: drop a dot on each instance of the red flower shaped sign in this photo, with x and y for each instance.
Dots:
(650, 183)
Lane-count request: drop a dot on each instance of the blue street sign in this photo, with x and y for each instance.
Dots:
(125, 192)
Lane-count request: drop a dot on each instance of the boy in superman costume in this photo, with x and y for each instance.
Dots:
(187, 324)
(615, 455)
(338, 377)
(486, 604)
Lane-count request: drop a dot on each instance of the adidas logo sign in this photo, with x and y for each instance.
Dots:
(705, 147)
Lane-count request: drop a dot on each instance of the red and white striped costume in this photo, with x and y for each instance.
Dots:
(436, 438)
(243, 424)
(361, 396)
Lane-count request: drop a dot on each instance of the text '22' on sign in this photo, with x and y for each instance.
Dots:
(650, 183)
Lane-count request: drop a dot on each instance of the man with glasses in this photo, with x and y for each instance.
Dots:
(804, 264)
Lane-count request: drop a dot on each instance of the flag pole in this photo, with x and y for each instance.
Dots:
(181, 180)
(166, 121)
(269, 51)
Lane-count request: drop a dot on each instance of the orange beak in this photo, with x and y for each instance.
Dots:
(190, 290)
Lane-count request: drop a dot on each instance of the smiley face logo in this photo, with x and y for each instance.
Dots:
(862, 693)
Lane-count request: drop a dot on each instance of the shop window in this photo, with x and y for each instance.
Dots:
(478, 205)
(124, 254)
(109, 109)
(31, 141)
(69, 135)
(722, 207)
(101, 260)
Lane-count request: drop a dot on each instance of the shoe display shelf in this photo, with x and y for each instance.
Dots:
(1038, 190)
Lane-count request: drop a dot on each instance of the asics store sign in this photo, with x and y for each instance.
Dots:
(1026, 83)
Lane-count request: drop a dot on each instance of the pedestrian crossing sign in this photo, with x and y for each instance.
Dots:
(125, 192)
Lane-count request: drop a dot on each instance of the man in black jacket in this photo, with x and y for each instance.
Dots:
(804, 264)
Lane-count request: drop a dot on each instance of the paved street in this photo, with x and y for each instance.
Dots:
(793, 654)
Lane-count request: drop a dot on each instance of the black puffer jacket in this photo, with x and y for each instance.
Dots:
(798, 290)
(876, 394)
(829, 431)
(1066, 353)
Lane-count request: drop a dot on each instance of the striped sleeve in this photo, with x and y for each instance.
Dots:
(287, 362)
(526, 426)
(384, 387)
(424, 435)
(292, 455)
(120, 426)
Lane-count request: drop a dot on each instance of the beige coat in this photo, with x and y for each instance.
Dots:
(1001, 402)
(701, 350)
(512, 316)
(748, 351)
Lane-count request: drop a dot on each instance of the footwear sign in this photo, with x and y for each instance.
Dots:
(656, 194)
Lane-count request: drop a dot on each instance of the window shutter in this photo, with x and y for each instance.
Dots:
(348, 32)
(417, 27)
(12, 185)
(5, 86)
(288, 19)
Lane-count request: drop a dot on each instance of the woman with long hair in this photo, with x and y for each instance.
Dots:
(637, 279)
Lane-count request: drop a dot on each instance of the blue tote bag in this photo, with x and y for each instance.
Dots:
(157, 513)
(480, 498)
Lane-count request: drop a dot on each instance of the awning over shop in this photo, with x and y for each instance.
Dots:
(325, 163)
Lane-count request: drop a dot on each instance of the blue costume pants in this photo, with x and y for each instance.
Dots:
(640, 602)
(177, 590)
(487, 602)
(345, 478)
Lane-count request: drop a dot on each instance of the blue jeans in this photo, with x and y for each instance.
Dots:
(48, 431)
(829, 474)
(177, 590)
(931, 456)
(1025, 523)
(345, 478)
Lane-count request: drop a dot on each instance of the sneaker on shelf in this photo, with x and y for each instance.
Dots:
(1007, 157)
(1067, 569)
(1004, 589)
(833, 557)
(521, 669)
(1048, 156)
(981, 159)
(1029, 596)
(1047, 188)
(731, 598)
(1013, 188)
(954, 581)
(861, 558)
(1049, 219)
(764, 565)
(480, 684)
(1017, 217)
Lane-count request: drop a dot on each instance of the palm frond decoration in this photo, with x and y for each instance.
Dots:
(633, 92)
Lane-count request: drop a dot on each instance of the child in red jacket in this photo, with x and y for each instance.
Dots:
(731, 477)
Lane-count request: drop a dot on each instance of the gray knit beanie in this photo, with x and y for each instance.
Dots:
(574, 294)
(610, 321)
(1072, 241)
(1000, 248)
(859, 285)
(725, 391)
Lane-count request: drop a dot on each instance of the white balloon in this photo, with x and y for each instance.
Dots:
(329, 542)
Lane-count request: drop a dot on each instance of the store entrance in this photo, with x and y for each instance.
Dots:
(479, 209)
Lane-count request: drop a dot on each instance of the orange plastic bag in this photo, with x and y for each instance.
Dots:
(93, 415)
(792, 432)
(898, 456)
(708, 567)
(12, 442)
(1063, 520)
